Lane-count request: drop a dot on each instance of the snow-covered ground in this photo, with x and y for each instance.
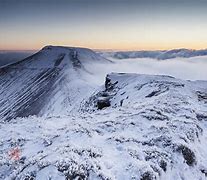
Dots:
(154, 126)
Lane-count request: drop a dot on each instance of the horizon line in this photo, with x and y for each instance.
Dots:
(103, 49)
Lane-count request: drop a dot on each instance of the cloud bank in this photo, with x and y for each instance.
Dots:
(194, 68)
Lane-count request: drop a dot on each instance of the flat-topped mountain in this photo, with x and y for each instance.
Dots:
(53, 78)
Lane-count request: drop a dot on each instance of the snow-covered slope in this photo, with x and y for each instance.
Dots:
(135, 127)
(161, 55)
(51, 82)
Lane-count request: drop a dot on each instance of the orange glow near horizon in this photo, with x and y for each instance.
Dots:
(108, 46)
(114, 25)
(139, 38)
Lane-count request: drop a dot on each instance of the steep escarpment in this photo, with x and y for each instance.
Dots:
(43, 81)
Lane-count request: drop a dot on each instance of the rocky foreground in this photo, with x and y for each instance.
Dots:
(135, 127)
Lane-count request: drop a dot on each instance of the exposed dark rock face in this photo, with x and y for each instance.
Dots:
(147, 176)
(109, 85)
(103, 102)
(74, 58)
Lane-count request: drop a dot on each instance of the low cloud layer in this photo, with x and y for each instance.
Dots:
(194, 68)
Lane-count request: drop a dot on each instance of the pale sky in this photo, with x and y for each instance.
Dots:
(103, 24)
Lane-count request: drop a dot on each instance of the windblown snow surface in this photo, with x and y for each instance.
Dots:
(68, 121)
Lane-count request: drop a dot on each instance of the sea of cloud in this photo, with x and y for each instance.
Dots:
(194, 68)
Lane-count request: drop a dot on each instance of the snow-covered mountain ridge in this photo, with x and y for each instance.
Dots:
(53, 77)
(134, 126)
